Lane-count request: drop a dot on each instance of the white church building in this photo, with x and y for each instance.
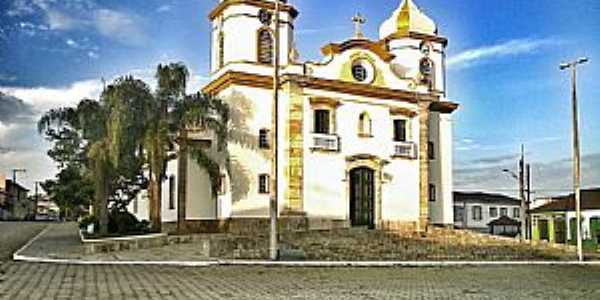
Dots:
(365, 134)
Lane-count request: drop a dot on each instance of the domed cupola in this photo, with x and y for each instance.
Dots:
(406, 19)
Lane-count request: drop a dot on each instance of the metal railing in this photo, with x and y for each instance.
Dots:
(327, 142)
(405, 150)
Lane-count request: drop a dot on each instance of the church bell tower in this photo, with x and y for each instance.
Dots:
(242, 33)
(420, 52)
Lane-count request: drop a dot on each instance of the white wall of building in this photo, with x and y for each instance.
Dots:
(586, 215)
(468, 220)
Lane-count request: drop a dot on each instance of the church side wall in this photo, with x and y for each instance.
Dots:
(200, 204)
(168, 214)
(250, 112)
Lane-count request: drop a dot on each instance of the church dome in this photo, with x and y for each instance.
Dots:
(407, 18)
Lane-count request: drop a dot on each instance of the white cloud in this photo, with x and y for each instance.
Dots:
(72, 43)
(93, 55)
(474, 56)
(118, 25)
(66, 15)
(164, 8)
(59, 21)
(44, 98)
(5, 77)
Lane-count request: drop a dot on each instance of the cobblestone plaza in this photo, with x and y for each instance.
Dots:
(52, 281)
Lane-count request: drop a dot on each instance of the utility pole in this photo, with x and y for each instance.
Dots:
(37, 198)
(273, 209)
(524, 203)
(523, 216)
(576, 150)
(14, 174)
(528, 204)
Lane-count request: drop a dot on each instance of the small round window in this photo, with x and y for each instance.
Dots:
(362, 71)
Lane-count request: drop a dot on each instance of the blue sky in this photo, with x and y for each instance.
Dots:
(503, 55)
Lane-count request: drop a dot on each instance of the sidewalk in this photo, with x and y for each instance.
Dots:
(62, 242)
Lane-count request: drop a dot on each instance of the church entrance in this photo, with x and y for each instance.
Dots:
(362, 197)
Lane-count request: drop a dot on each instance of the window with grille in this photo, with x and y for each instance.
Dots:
(432, 193)
(222, 184)
(265, 47)
(365, 125)
(172, 192)
(263, 139)
(493, 212)
(221, 49)
(516, 213)
(263, 184)
(426, 67)
(400, 130)
(431, 150)
(322, 121)
(477, 213)
(504, 212)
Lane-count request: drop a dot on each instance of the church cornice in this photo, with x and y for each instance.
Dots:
(379, 48)
(258, 3)
(418, 36)
(266, 82)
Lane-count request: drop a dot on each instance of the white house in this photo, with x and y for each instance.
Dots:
(480, 211)
(365, 134)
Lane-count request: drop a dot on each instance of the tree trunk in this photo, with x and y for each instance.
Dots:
(101, 198)
(182, 182)
(155, 195)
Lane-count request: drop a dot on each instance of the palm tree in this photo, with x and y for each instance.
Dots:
(175, 114)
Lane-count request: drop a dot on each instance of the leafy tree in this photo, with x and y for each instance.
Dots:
(122, 142)
(70, 190)
(103, 140)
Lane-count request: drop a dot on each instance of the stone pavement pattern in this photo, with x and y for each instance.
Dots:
(49, 281)
(44, 281)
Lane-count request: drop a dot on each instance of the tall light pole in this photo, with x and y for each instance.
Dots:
(576, 151)
(273, 207)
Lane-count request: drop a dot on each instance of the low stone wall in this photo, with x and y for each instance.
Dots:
(93, 246)
(238, 226)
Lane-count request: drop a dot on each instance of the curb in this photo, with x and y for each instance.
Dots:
(17, 256)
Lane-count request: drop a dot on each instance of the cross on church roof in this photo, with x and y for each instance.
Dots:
(358, 21)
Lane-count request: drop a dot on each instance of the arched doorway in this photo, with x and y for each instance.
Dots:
(362, 197)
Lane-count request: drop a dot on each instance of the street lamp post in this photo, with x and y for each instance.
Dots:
(273, 207)
(576, 151)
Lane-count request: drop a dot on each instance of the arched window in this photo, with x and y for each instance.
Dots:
(364, 125)
(427, 69)
(221, 49)
(265, 47)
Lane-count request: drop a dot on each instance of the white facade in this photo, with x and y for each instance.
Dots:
(476, 213)
(586, 216)
(353, 129)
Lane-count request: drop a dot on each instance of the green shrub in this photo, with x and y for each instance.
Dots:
(125, 223)
(119, 223)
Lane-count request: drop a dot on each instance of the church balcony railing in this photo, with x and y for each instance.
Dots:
(325, 142)
(405, 150)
